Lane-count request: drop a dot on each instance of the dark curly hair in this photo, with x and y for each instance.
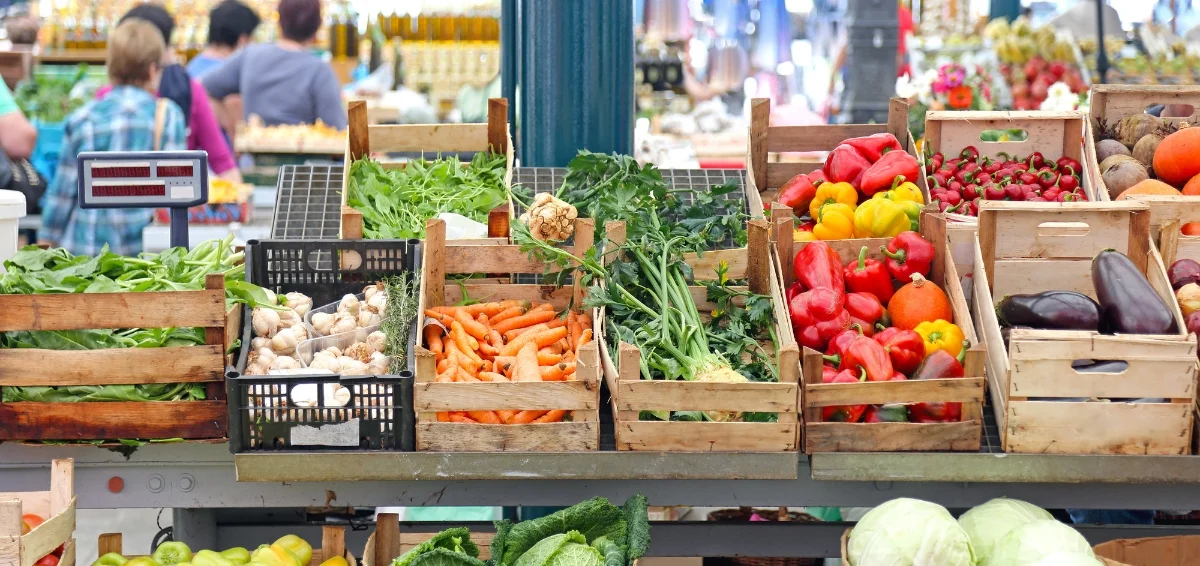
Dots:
(299, 20)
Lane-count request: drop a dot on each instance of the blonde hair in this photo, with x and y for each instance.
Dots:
(134, 47)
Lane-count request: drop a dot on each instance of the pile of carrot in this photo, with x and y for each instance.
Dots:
(505, 341)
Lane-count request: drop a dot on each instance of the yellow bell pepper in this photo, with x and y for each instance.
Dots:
(297, 546)
(831, 193)
(834, 222)
(941, 335)
(335, 561)
(803, 236)
(900, 192)
(880, 218)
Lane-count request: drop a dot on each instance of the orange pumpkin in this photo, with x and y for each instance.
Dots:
(1177, 158)
(1149, 187)
(1192, 188)
(919, 301)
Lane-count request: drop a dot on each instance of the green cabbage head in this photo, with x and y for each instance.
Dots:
(909, 532)
(566, 549)
(988, 523)
(1035, 541)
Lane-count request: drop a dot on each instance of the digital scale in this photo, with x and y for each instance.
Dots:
(148, 179)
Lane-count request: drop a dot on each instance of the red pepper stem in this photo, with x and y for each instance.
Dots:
(1043, 173)
(835, 359)
(899, 255)
(862, 260)
(1070, 170)
(1004, 155)
(862, 376)
(857, 327)
(896, 182)
(962, 354)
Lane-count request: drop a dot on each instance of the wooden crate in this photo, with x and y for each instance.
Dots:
(389, 542)
(333, 543)
(110, 420)
(1167, 216)
(1051, 247)
(1054, 134)
(363, 139)
(965, 435)
(1111, 103)
(56, 506)
(582, 395)
(630, 394)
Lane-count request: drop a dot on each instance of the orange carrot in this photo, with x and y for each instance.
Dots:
(491, 376)
(526, 417)
(485, 417)
(553, 373)
(466, 340)
(541, 339)
(513, 344)
(443, 417)
(557, 322)
(506, 416)
(546, 358)
(442, 365)
(487, 349)
(507, 314)
(495, 339)
(466, 376)
(441, 317)
(517, 332)
(475, 329)
(527, 319)
(457, 418)
(574, 329)
(526, 368)
(544, 307)
(433, 338)
(569, 369)
(561, 345)
(491, 309)
(584, 339)
(504, 364)
(448, 374)
(551, 416)
(568, 357)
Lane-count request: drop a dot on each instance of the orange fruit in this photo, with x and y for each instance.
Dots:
(919, 301)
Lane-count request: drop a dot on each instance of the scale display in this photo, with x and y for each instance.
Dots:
(165, 179)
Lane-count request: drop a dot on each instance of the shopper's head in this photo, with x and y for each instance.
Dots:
(299, 20)
(22, 30)
(135, 49)
(231, 23)
(155, 14)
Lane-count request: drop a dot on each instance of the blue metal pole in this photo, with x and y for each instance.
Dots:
(575, 79)
(510, 24)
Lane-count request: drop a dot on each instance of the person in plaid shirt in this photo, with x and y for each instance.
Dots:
(127, 119)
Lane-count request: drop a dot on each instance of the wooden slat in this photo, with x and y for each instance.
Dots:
(109, 542)
(1099, 428)
(1048, 132)
(957, 390)
(79, 311)
(706, 396)
(36, 502)
(117, 419)
(333, 541)
(38, 367)
(497, 125)
(532, 396)
(897, 123)
(429, 138)
(705, 436)
(387, 538)
(780, 173)
(433, 264)
(1014, 276)
(817, 138)
(758, 256)
(490, 259)
(62, 485)
(560, 297)
(358, 136)
(892, 437)
(1114, 102)
(68, 554)
(46, 537)
(704, 266)
(760, 119)
(547, 437)
(1143, 378)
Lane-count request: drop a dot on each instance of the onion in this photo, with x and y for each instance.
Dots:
(1189, 298)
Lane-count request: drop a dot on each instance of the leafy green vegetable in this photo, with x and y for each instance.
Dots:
(395, 203)
(614, 554)
(593, 519)
(398, 319)
(566, 549)
(48, 98)
(637, 520)
(444, 557)
(81, 393)
(456, 540)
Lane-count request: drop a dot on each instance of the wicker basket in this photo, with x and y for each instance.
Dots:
(742, 515)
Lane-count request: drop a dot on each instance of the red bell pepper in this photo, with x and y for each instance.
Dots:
(817, 316)
(864, 307)
(905, 348)
(845, 413)
(874, 146)
(828, 372)
(838, 344)
(867, 354)
(894, 413)
(818, 266)
(893, 165)
(908, 253)
(794, 289)
(845, 165)
(969, 153)
(799, 191)
(868, 276)
(939, 365)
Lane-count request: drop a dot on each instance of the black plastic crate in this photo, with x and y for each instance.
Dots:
(378, 415)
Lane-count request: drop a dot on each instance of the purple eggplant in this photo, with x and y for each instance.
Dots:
(1128, 303)
(1050, 310)
(1182, 272)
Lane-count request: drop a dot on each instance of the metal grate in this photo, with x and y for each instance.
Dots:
(309, 203)
(991, 432)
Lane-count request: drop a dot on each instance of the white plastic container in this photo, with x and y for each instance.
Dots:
(12, 210)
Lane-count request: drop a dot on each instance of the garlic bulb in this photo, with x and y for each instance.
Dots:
(283, 363)
(351, 366)
(349, 304)
(299, 302)
(284, 342)
(322, 322)
(264, 356)
(265, 321)
(377, 341)
(371, 290)
(379, 363)
(300, 331)
(377, 303)
(337, 395)
(359, 351)
(325, 361)
(256, 369)
(343, 323)
(367, 318)
(259, 343)
(334, 351)
(287, 318)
